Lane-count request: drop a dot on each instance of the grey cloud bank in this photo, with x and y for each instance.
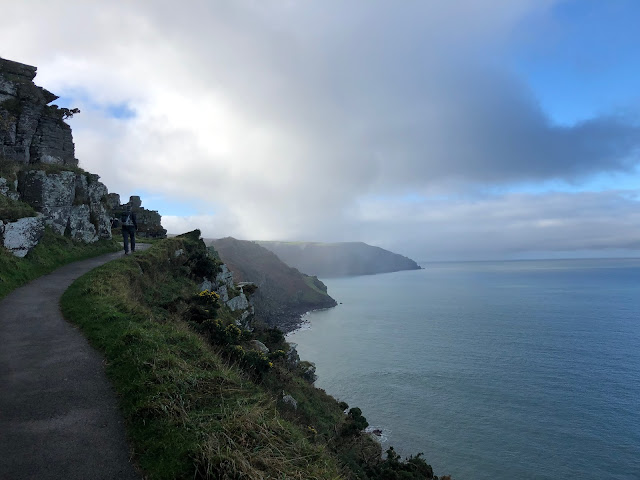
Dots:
(317, 120)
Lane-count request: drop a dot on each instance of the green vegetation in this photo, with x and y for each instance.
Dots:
(52, 252)
(12, 210)
(9, 169)
(13, 106)
(199, 398)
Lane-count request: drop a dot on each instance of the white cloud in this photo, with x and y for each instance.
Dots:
(287, 117)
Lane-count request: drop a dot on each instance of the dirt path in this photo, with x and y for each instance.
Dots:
(58, 413)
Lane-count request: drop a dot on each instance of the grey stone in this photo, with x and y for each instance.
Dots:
(52, 142)
(149, 224)
(97, 191)
(260, 346)
(309, 373)
(80, 224)
(289, 400)
(41, 190)
(57, 218)
(238, 303)
(180, 252)
(223, 292)
(100, 219)
(242, 321)
(21, 236)
(225, 277)
(6, 190)
(82, 190)
(206, 284)
(293, 359)
(135, 201)
(30, 130)
(113, 201)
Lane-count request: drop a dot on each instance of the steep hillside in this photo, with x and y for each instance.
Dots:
(339, 259)
(203, 397)
(283, 292)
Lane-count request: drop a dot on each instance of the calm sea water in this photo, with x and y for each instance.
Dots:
(505, 370)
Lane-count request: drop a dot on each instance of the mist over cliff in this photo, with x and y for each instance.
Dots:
(339, 259)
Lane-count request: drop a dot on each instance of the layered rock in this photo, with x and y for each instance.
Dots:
(149, 221)
(21, 236)
(38, 166)
(231, 294)
(72, 203)
(31, 130)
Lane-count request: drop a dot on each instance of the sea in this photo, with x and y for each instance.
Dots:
(492, 370)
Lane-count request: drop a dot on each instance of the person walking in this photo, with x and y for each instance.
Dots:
(129, 226)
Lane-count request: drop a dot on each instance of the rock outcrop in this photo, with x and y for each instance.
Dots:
(231, 294)
(38, 167)
(149, 221)
(21, 236)
(31, 130)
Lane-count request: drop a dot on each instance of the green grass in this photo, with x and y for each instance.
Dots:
(12, 210)
(52, 252)
(190, 413)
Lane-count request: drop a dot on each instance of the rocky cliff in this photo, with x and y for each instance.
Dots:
(328, 260)
(283, 292)
(31, 130)
(40, 182)
(149, 221)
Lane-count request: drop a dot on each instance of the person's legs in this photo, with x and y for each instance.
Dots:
(132, 232)
(125, 239)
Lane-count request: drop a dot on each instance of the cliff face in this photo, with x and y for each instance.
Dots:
(149, 221)
(38, 169)
(283, 293)
(31, 130)
(39, 173)
(339, 259)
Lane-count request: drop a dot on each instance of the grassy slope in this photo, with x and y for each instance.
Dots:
(190, 411)
(52, 252)
(12, 210)
(190, 414)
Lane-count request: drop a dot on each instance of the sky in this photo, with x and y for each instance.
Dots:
(442, 130)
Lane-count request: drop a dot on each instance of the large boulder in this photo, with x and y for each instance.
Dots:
(239, 302)
(21, 236)
(41, 190)
(72, 203)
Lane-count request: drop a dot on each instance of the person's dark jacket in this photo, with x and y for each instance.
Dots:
(123, 220)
